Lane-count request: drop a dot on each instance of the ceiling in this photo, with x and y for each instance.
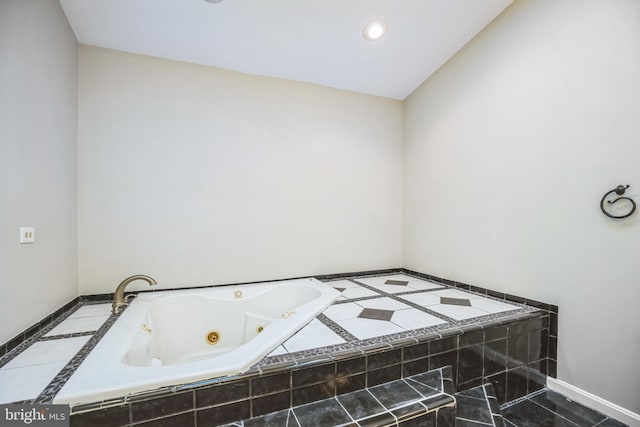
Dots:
(315, 41)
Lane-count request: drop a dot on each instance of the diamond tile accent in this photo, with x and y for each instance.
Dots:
(385, 284)
(455, 301)
(376, 314)
(396, 282)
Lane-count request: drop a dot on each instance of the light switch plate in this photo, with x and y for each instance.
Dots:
(27, 234)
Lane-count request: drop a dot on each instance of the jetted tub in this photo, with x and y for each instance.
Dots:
(177, 337)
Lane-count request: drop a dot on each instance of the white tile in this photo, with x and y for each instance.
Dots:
(454, 293)
(358, 292)
(92, 310)
(414, 319)
(343, 284)
(338, 312)
(369, 328)
(28, 382)
(352, 290)
(312, 336)
(422, 285)
(492, 306)
(278, 350)
(48, 351)
(80, 324)
(383, 304)
(458, 312)
(424, 299)
(392, 289)
(414, 284)
(381, 279)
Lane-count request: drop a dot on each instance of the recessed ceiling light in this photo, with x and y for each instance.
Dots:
(374, 30)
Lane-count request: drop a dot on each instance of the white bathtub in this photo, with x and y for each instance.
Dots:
(177, 337)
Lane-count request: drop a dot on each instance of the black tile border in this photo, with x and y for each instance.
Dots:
(65, 373)
(56, 384)
(335, 327)
(43, 327)
(63, 336)
(27, 336)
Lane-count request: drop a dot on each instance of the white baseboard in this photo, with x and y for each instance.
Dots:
(594, 402)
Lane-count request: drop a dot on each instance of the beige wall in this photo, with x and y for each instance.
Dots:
(38, 105)
(196, 175)
(509, 148)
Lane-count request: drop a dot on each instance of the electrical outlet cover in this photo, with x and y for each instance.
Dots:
(27, 234)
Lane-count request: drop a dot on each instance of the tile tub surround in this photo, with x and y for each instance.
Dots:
(448, 342)
(274, 387)
(33, 370)
(421, 400)
(63, 312)
(247, 323)
(26, 337)
(265, 391)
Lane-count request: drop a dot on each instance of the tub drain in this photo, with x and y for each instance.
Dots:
(260, 329)
(212, 337)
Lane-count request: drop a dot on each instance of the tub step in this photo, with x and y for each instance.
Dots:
(420, 400)
(478, 406)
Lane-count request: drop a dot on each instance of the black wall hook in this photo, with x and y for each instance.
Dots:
(619, 190)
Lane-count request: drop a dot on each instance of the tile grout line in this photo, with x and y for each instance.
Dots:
(424, 385)
(37, 336)
(55, 385)
(520, 304)
(345, 409)
(409, 303)
(552, 411)
(486, 401)
(295, 416)
(523, 398)
(65, 336)
(474, 421)
(337, 328)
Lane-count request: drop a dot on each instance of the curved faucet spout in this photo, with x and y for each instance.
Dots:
(119, 301)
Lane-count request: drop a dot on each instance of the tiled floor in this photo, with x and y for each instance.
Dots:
(25, 375)
(549, 408)
(478, 407)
